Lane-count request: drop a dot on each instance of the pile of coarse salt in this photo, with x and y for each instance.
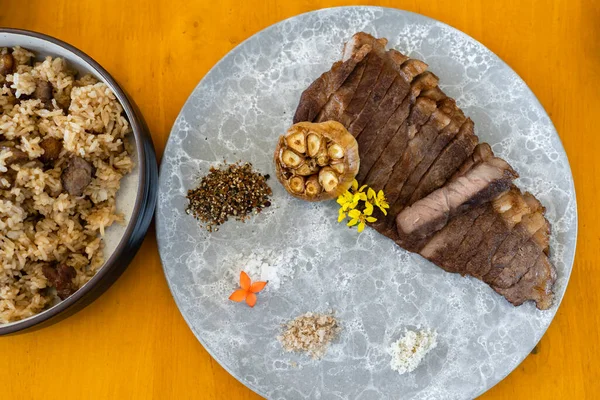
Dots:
(408, 351)
(271, 266)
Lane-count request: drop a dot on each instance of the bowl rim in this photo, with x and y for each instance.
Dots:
(111, 263)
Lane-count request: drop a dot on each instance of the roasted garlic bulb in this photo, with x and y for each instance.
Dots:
(316, 161)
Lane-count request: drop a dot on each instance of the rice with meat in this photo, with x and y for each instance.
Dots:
(50, 238)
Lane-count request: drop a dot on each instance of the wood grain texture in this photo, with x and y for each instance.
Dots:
(132, 343)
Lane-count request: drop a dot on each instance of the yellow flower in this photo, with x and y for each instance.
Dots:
(371, 194)
(360, 218)
(381, 202)
(346, 200)
(341, 215)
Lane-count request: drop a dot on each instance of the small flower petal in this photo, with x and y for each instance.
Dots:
(257, 286)
(244, 281)
(251, 299)
(341, 216)
(239, 295)
(354, 214)
(368, 208)
(354, 184)
(371, 194)
(352, 222)
(361, 226)
(371, 219)
(362, 188)
(383, 210)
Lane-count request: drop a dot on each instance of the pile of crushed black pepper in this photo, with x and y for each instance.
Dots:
(231, 190)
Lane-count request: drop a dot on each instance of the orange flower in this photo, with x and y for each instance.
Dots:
(248, 290)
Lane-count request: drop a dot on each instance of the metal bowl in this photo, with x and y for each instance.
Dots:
(136, 197)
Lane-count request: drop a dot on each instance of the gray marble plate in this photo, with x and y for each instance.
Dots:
(376, 289)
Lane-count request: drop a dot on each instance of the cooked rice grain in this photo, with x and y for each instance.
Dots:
(40, 223)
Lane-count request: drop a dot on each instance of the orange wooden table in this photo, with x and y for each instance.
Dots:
(132, 343)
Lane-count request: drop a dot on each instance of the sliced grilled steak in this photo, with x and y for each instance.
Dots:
(316, 95)
(509, 209)
(535, 285)
(482, 152)
(461, 237)
(418, 149)
(385, 166)
(465, 214)
(444, 137)
(447, 162)
(445, 243)
(427, 216)
(511, 250)
(338, 102)
(391, 139)
(393, 98)
(373, 69)
(385, 81)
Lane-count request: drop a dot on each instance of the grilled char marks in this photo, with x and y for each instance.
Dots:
(451, 199)
(386, 79)
(392, 100)
(441, 141)
(332, 111)
(427, 216)
(387, 168)
(390, 141)
(317, 94)
(451, 157)
(423, 147)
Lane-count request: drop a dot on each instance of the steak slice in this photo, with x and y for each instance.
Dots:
(336, 104)
(509, 209)
(391, 139)
(317, 94)
(384, 167)
(481, 184)
(393, 98)
(451, 158)
(444, 137)
(482, 152)
(466, 245)
(510, 253)
(447, 242)
(422, 147)
(384, 82)
(373, 69)
(535, 285)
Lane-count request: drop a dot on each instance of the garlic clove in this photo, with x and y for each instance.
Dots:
(297, 184)
(328, 179)
(335, 151)
(339, 167)
(314, 142)
(290, 159)
(313, 187)
(309, 167)
(296, 141)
